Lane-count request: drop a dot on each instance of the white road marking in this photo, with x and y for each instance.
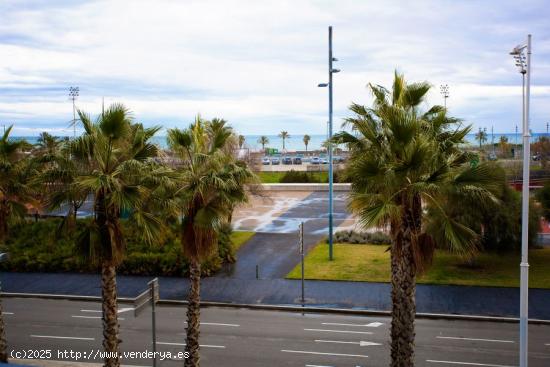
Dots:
(7, 313)
(218, 324)
(476, 339)
(372, 324)
(360, 343)
(316, 365)
(324, 354)
(125, 309)
(201, 345)
(547, 344)
(60, 337)
(339, 331)
(92, 317)
(470, 363)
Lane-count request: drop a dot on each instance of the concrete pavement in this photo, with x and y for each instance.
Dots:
(235, 337)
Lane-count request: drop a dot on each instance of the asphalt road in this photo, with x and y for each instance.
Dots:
(238, 337)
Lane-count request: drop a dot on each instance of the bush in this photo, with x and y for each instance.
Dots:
(298, 177)
(376, 238)
(44, 247)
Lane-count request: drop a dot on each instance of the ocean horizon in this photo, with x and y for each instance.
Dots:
(295, 142)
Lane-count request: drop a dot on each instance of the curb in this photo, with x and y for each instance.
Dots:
(285, 308)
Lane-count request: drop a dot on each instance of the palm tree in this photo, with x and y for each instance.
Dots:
(241, 141)
(263, 140)
(284, 135)
(211, 182)
(15, 190)
(118, 157)
(481, 136)
(404, 166)
(306, 140)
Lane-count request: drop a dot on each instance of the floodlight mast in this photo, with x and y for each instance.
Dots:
(73, 94)
(523, 62)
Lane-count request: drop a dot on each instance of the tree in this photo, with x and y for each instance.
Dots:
(122, 178)
(404, 166)
(306, 140)
(15, 175)
(481, 136)
(542, 149)
(284, 135)
(210, 183)
(241, 141)
(263, 140)
(504, 146)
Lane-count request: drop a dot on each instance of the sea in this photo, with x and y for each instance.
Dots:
(295, 142)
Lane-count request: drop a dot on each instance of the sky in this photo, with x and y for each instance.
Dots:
(258, 63)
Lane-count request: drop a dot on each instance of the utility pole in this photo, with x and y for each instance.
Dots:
(73, 94)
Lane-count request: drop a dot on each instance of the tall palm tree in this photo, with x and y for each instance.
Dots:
(263, 140)
(284, 135)
(118, 157)
(211, 182)
(15, 174)
(306, 140)
(241, 141)
(481, 136)
(404, 166)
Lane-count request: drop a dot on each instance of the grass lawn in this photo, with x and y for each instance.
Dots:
(275, 177)
(371, 263)
(239, 238)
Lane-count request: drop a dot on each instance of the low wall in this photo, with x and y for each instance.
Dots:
(305, 187)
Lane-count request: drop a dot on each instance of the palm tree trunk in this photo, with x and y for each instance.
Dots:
(110, 315)
(403, 279)
(3, 343)
(193, 315)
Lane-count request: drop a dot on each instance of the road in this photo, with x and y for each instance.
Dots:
(239, 337)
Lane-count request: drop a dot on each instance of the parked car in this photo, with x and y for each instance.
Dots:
(315, 160)
(297, 160)
(275, 161)
(324, 161)
(266, 161)
(338, 159)
(492, 156)
(287, 160)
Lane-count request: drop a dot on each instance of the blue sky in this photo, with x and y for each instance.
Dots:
(257, 63)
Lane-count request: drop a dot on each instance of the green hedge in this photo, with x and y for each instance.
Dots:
(42, 247)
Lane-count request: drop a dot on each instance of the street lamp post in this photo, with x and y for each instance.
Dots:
(444, 89)
(73, 94)
(524, 64)
(331, 71)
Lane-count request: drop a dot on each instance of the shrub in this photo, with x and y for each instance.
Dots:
(298, 177)
(44, 247)
(376, 238)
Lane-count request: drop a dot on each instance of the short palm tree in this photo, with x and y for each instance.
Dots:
(263, 140)
(211, 182)
(15, 175)
(306, 140)
(284, 135)
(118, 156)
(242, 139)
(404, 167)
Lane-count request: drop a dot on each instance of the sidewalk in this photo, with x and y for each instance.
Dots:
(483, 301)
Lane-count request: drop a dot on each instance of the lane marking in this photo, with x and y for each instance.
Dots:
(125, 309)
(340, 331)
(200, 345)
(93, 317)
(325, 354)
(316, 365)
(469, 363)
(7, 313)
(60, 337)
(372, 324)
(547, 344)
(360, 343)
(476, 339)
(219, 324)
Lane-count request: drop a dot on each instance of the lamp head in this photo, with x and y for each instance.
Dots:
(322, 85)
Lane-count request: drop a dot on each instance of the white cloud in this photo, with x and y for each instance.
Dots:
(257, 63)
